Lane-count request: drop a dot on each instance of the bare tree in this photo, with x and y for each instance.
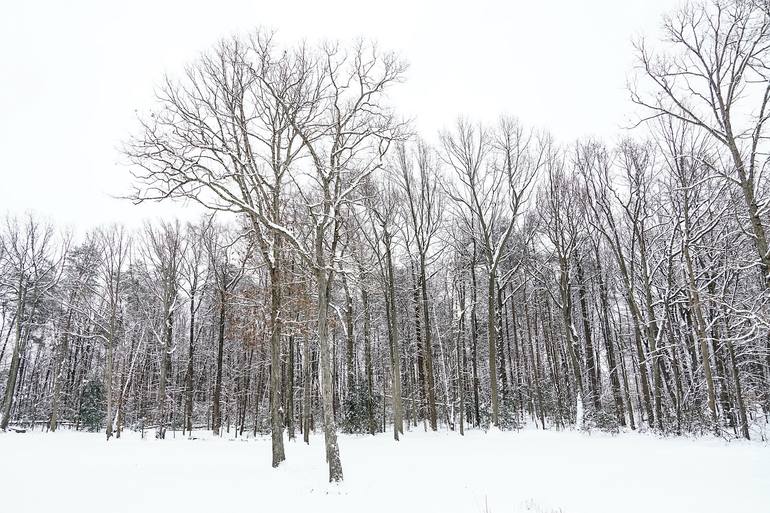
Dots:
(379, 229)
(227, 139)
(559, 199)
(194, 280)
(494, 172)
(115, 244)
(715, 77)
(417, 173)
(32, 270)
(224, 138)
(163, 249)
(346, 145)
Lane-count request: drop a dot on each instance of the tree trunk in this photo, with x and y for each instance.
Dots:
(189, 376)
(108, 376)
(474, 346)
(307, 391)
(368, 360)
(591, 367)
(428, 346)
(700, 329)
(216, 413)
(58, 374)
(395, 346)
(330, 430)
(492, 346)
(290, 389)
(460, 346)
(13, 371)
(609, 344)
(164, 363)
(276, 426)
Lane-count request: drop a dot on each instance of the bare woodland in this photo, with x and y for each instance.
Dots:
(352, 276)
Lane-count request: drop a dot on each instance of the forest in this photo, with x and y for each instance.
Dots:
(350, 275)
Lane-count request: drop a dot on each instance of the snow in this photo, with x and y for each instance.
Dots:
(579, 412)
(525, 471)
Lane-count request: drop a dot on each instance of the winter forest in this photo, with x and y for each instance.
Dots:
(352, 277)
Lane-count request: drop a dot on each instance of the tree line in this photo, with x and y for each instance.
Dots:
(350, 275)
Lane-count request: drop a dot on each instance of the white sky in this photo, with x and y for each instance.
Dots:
(73, 73)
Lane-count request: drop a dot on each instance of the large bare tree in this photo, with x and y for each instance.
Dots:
(493, 175)
(712, 73)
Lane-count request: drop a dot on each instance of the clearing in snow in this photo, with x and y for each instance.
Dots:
(529, 470)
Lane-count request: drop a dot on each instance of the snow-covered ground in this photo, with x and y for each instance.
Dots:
(497, 472)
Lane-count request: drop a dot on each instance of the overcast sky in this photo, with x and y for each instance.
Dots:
(73, 74)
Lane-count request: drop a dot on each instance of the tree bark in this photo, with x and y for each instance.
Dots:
(276, 424)
(216, 413)
(330, 428)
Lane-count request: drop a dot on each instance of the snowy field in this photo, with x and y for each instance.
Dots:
(495, 472)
